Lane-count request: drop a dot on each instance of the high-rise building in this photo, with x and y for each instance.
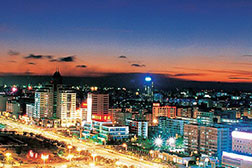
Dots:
(209, 140)
(43, 103)
(191, 137)
(66, 108)
(56, 83)
(214, 140)
(30, 109)
(148, 88)
(98, 107)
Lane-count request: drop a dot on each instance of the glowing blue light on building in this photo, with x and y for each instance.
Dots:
(148, 79)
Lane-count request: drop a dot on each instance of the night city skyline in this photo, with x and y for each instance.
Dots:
(193, 40)
(125, 84)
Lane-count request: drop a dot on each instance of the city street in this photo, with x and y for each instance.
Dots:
(99, 150)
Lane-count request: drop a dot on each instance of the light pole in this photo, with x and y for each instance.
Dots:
(69, 148)
(94, 155)
(69, 157)
(158, 142)
(8, 155)
(79, 150)
(151, 153)
(125, 146)
(44, 158)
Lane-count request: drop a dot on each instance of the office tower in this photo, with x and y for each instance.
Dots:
(98, 107)
(43, 103)
(148, 88)
(56, 82)
(66, 108)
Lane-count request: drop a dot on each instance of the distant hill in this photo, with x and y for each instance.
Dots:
(130, 80)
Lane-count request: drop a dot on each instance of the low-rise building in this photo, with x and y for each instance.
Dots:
(241, 155)
(105, 131)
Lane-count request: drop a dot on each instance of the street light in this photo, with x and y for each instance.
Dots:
(155, 121)
(125, 146)
(69, 157)
(158, 142)
(151, 152)
(92, 165)
(94, 155)
(44, 158)
(79, 150)
(8, 155)
(69, 148)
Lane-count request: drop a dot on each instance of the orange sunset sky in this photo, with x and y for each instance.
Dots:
(208, 41)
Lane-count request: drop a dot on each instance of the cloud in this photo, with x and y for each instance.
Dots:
(138, 65)
(13, 53)
(67, 59)
(32, 56)
(187, 74)
(122, 56)
(31, 63)
(247, 55)
(53, 60)
(239, 78)
(12, 61)
(64, 59)
(81, 66)
(236, 72)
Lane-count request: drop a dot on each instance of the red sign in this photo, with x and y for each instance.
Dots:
(101, 117)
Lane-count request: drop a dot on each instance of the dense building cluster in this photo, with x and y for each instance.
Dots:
(208, 127)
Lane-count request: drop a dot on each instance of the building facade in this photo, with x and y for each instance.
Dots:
(209, 140)
(43, 103)
(98, 107)
(138, 127)
(66, 109)
(168, 127)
